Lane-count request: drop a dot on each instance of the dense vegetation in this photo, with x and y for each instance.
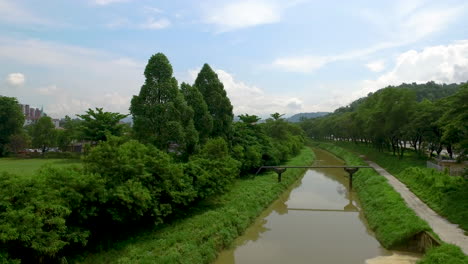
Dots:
(143, 176)
(211, 225)
(428, 117)
(386, 212)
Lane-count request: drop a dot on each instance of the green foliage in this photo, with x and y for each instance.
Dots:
(210, 227)
(97, 125)
(32, 218)
(445, 194)
(202, 118)
(141, 180)
(388, 216)
(19, 141)
(43, 133)
(215, 97)
(160, 113)
(212, 170)
(11, 120)
(409, 113)
(444, 254)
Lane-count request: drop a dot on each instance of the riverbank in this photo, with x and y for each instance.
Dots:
(445, 194)
(200, 236)
(387, 214)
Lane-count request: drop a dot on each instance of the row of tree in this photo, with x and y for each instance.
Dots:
(183, 147)
(426, 117)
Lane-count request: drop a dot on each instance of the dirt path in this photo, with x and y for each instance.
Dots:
(448, 232)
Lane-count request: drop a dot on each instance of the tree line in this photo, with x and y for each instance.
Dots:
(183, 147)
(426, 117)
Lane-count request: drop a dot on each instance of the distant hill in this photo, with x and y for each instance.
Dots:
(297, 117)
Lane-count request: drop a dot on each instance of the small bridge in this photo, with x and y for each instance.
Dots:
(349, 169)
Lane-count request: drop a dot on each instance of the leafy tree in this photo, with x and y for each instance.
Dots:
(202, 118)
(63, 139)
(73, 127)
(11, 120)
(249, 119)
(43, 133)
(215, 97)
(161, 115)
(98, 124)
(19, 141)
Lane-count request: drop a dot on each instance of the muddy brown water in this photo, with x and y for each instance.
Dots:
(316, 221)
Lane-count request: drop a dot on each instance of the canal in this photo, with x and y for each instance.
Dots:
(318, 220)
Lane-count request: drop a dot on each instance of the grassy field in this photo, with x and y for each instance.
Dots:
(27, 167)
(209, 228)
(445, 194)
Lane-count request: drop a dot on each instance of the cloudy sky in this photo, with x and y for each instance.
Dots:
(272, 56)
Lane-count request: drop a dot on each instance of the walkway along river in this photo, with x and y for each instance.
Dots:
(317, 221)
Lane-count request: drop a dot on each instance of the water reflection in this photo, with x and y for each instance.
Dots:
(317, 221)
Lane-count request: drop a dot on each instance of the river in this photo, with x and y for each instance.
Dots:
(316, 221)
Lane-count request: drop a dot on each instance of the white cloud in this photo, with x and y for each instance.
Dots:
(107, 2)
(409, 22)
(242, 14)
(82, 78)
(251, 99)
(161, 23)
(48, 90)
(16, 79)
(12, 12)
(442, 64)
(301, 64)
(376, 66)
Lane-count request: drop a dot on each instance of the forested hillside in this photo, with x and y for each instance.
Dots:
(428, 117)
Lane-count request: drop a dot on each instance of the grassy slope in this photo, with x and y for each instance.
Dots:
(386, 212)
(199, 238)
(27, 167)
(446, 195)
(445, 254)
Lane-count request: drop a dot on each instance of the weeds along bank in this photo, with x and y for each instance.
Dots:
(447, 195)
(386, 212)
(210, 227)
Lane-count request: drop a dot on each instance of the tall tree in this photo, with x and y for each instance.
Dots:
(43, 133)
(98, 124)
(161, 116)
(215, 97)
(202, 118)
(11, 120)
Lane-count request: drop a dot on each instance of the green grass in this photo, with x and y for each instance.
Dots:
(27, 167)
(211, 226)
(445, 254)
(386, 212)
(446, 195)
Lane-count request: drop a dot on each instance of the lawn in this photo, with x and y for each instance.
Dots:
(27, 167)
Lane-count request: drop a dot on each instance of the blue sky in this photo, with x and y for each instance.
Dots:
(272, 56)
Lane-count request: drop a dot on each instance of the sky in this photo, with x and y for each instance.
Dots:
(272, 56)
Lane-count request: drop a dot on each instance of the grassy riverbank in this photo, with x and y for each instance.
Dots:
(386, 212)
(446, 195)
(209, 228)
